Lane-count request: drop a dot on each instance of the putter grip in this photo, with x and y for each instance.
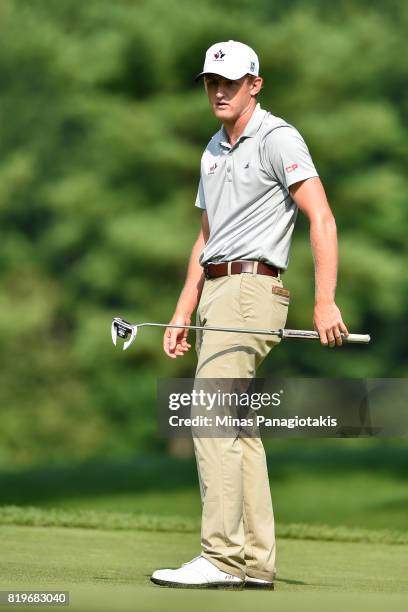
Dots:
(314, 335)
(357, 338)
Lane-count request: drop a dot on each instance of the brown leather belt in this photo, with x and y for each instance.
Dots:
(213, 270)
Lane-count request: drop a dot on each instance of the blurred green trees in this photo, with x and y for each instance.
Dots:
(101, 133)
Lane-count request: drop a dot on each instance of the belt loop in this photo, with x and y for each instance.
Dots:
(255, 267)
(279, 273)
(229, 263)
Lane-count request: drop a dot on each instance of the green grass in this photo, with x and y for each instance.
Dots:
(91, 519)
(340, 482)
(99, 528)
(372, 501)
(108, 569)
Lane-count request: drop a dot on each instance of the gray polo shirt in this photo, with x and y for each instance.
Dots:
(245, 190)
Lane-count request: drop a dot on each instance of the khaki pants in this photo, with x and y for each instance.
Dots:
(237, 531)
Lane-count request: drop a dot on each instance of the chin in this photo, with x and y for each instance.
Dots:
(226, 113)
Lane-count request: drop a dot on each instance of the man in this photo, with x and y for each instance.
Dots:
(256, 172)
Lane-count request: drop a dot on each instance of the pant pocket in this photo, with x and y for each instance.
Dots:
(279, 310)
(281, 294)
(263, 300)
(248, 299)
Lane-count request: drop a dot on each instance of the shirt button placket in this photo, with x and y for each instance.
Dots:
(229, 169)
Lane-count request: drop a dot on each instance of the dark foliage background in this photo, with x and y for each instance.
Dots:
(101, 133)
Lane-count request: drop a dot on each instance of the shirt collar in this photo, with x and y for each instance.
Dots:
(250, 130)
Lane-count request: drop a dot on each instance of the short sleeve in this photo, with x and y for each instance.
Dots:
(287, 157)
(200, 200)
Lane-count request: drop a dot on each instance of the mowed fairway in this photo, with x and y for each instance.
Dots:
(107, 569)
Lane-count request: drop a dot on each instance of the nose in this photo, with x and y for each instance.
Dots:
(220, 91)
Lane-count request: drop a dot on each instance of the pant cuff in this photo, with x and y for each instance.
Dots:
(253, 573)
(224, 567)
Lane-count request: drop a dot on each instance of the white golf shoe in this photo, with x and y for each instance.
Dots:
(197, 573)
(258, 583)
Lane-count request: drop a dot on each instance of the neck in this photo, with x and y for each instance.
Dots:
(234, 128)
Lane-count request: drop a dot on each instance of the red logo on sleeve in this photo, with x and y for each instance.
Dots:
(291, 168)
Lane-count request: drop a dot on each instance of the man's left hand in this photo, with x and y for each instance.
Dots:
(328, 322)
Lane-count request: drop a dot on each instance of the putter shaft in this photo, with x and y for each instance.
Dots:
(123, 329)
(282, 333)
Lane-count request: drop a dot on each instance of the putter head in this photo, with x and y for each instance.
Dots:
(123, 329)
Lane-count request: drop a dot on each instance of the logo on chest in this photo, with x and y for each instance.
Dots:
(212, 169)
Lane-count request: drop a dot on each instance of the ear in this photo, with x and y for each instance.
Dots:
(256, 85)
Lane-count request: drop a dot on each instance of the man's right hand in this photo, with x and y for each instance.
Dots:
(175, 340)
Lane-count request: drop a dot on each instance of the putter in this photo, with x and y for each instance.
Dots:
(127, 332)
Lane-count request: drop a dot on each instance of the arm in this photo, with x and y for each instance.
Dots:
(310, 197)
(175, 340)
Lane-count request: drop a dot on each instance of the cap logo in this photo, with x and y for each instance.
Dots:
(219, 55)
(252, 67)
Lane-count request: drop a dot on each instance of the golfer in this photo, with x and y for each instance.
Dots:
(256, 172)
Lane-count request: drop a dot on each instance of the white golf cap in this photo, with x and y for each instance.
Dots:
(230, 59)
